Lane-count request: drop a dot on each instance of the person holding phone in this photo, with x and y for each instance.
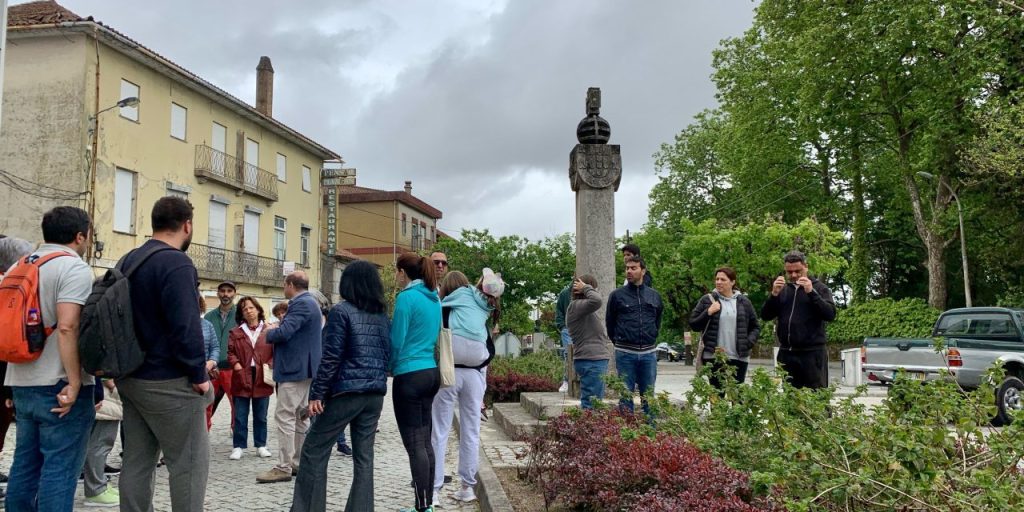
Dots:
(802, 305)
(591, 340)
(728, 324)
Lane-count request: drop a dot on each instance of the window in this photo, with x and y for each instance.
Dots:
(304, 246)
(405, 229)
(129, 90)
(306, 179)
(124, 201)
(217, 236)
(415, 236)
(179, 116)
(252, 157)
(218, 139)
(433, 235)
(280, 227)
(251, 232)
(282, 167)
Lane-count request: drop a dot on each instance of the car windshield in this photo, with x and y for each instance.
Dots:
(973, 324)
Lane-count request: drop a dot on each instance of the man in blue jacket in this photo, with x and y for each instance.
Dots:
(632, 319)
(297, 352)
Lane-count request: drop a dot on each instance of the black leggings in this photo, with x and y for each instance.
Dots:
(413, 396)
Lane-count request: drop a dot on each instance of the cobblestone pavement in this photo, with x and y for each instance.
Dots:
(232, 485)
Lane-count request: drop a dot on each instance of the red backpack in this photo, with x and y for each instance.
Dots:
(19, 296)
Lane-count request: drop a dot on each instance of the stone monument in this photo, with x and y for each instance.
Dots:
(595, 169)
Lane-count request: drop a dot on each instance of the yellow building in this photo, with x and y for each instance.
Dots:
(72, 135)
(379, 225)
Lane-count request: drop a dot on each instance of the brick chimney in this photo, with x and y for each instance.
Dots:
(265, 87)
(408, 187)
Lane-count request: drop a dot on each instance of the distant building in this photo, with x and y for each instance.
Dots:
(66, 140)
(379, 225)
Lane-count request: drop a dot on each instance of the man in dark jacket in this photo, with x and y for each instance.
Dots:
(564, 297)
(297, 351)
(802, 305)
(632, 319)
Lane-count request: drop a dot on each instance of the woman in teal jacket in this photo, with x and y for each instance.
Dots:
(414, 330)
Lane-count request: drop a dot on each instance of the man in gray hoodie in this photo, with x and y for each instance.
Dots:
(590, 340)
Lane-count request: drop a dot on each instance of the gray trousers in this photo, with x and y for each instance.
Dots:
(168, 416)
(292, 418)
(101, 441)
(361, 412)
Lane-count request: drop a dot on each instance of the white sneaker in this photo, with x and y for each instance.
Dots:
(564, 388)
(264, 452)
(436, 503)
(465, 494)
(236, 454)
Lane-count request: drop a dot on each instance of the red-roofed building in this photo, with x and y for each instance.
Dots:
(379, 225)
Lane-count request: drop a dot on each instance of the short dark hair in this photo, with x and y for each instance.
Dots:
(62, 224)
(637, 259)
(297, 280)
(170, 213)
(361, 285)
(241, 303)
(631, 248)
(279, 308)
(729, 272)
(795, 256)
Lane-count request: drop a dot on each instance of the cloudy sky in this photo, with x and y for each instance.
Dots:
(475, 101)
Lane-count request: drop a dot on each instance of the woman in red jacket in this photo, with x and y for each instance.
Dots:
(248, 351)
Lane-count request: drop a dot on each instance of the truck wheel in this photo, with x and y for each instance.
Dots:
(1009, 397)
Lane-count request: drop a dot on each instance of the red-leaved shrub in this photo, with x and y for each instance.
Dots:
(508, 386)
(586, 462)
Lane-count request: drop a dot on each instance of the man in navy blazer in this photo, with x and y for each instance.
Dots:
(297, 350)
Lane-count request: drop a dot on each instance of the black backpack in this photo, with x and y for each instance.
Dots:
(107, 344)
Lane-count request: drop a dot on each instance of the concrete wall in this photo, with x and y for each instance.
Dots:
(43, 138)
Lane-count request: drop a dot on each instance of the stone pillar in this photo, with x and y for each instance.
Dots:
(595, 169)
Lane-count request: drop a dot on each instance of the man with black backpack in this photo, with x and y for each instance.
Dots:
(52, 395)
(165, 399)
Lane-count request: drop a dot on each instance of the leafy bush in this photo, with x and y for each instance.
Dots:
(545, 364)
(593, 461)
(921, 449)
(508, 386)
(905, 318)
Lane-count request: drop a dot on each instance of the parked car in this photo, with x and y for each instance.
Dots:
(667, 353)
(975, 340)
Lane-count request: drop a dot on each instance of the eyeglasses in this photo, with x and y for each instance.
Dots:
(441, 263)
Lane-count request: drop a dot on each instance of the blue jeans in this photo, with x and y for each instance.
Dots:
(566, 341)
(591, 373)
(241, 424)
(49, 450)
(637, 371)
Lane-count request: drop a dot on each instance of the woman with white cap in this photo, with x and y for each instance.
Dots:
(465, 310)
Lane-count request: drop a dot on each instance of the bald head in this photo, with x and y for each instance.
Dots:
(295, 283)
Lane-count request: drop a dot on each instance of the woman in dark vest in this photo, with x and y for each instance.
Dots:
(728, 324)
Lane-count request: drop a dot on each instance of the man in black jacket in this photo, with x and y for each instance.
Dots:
(802, 305)
(632, 319)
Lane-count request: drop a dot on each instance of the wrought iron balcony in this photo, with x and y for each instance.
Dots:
(238, 174)
(240, 267)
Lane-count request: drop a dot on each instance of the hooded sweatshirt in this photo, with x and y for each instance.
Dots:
(414, 329)
(469, 312)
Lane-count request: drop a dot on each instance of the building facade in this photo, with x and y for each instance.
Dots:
(379, 225)
(72, 135)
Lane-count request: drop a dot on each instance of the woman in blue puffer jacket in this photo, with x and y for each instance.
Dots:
(349, 389)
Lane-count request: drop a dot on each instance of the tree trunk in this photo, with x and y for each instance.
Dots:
(860, 267)
(937, 290)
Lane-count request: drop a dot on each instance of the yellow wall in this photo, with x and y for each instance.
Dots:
(148, 148)
(378, 225)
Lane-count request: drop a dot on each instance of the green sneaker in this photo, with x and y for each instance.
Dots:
(107, 498)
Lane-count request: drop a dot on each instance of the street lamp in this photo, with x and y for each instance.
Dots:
(131, 101)
(963, 240)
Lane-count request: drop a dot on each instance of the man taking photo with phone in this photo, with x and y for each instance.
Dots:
(802, 305)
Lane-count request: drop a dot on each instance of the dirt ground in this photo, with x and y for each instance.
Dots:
(524, 496)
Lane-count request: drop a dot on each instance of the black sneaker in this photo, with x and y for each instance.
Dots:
(345, 449)
(110, 470)
(3, 478)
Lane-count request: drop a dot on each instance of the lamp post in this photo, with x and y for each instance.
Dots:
(963, 239)
(94, 124)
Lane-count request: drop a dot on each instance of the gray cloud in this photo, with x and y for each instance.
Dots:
(477, 103)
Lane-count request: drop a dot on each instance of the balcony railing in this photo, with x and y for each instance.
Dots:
(240, 267)
(238, 174)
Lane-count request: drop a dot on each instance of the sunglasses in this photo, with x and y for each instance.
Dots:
(441, 263)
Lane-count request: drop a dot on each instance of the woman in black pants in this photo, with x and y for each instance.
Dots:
(349, 389)
(729, 326)
(414, 330)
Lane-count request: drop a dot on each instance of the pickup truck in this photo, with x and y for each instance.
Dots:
(975, 340)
